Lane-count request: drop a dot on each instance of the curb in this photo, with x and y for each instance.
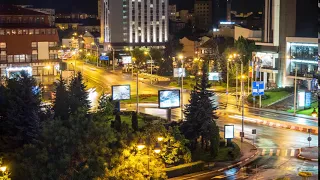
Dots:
(275, 123)
(243, 163)
(303, 158)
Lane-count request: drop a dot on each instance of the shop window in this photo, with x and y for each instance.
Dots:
(10, 58)
(16, 58)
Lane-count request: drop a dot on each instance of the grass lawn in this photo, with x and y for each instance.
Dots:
(307, 111)
(274, 96)
(201, 155)
(143, 98)
(188, 83)
(127, 119)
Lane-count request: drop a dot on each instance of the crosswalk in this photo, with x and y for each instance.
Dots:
(224, 94)
(278, 152)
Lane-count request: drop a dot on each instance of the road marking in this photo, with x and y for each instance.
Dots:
(292, 152)
(271, 152)
(263, 152)
(278, 152)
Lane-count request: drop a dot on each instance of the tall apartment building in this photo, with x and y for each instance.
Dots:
(172, 11)
(134, 22)
(27, 42)
(203, 14)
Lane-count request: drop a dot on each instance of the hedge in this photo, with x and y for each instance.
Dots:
(183, 169)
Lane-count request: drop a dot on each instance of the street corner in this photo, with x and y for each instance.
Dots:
(309, 153)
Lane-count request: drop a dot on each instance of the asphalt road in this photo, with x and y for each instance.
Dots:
(279, 140)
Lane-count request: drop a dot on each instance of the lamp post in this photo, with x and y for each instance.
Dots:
(242, 110)
(129, 50)
(182, 106)
(112, 56)
(295, 91)
(148, 53)
(97, 53)
(156, 149)
(229, 60)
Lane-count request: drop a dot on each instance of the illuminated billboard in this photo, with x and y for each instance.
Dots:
(169, 99)
(126, 59)
(228, 131)
(121, 92)
(179, 72)
(214, 76)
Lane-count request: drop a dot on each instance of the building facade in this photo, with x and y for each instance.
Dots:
(27, 42)
(134, 22)
(203, 14)
(281, 51)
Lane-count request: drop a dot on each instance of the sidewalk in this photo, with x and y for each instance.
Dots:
(248, 151)
(309, 153)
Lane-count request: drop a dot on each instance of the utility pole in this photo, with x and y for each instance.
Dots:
(242, 99)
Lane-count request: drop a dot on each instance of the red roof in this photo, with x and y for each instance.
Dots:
(15, 10)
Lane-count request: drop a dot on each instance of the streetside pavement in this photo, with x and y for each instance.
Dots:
(309, 153)
(249, 153)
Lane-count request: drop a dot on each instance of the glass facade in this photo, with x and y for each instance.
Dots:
(305, 57)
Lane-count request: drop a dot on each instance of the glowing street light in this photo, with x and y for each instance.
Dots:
(147, 53)
(157, 148)
(314, 113)
(160, 138)
(3, 169)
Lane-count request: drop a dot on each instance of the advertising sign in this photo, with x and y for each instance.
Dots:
(228, 131)
(126, 59)
(169, 99)
(301, 98)
(121, 92)
(308, 100)
(257, 88)
(178, 72)
(214, 76)
(104, 58)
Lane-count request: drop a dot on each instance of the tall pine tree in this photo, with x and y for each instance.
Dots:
(20, 120)
(61, 106)
(78, 96)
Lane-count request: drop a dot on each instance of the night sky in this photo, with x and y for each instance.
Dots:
(90, 6)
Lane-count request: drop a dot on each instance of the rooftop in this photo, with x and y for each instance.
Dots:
(15, 10)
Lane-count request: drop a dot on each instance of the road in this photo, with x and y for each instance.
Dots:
(277, 146)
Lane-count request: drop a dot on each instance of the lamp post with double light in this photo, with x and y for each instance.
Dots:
(182, 74)
(156, 149)
(97, 48)
(148, 53)
(110, 47)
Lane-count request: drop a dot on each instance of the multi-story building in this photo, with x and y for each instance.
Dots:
(27, 42)
(286, 45)
(172, 11)
(203, 14)
(134, 22)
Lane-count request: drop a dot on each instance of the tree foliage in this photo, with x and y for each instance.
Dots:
(78, 96)
(61, 103)
(20, 112)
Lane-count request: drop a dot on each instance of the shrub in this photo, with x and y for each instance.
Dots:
(264, 97)
(185, 169)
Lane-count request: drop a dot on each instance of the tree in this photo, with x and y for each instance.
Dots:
(78, 95)
(79, 150)
(190, 127)
(117, 123)
(138, 54)
(214, 139)
(134, 122)
(20, 110)
(61, 106)
(245, 48)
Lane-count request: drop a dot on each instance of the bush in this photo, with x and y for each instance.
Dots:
(185, 169)
(222, 143)
(287, 89)
(264, 97)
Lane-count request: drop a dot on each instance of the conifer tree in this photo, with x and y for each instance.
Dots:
(78, 95)
(61, 106)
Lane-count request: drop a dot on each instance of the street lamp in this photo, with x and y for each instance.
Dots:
(243, 77)
(129, 50)
(97, 53)
(156, 149)
(148, 53)
(137, 79)
(110, 47)
(3, 169)
(314, 113)
(229, 60)
(182, 106)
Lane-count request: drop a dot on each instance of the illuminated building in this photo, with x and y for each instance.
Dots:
(134, 22)
(27, 41)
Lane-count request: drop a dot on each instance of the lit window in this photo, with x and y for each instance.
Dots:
(37, 31)
(10, 58)
(34, 44)
(1, 32)
(8, 32)
(3, 45)
(24, 31)
(52, 44)
(13, 32)
(19, 31)
(31, 31)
